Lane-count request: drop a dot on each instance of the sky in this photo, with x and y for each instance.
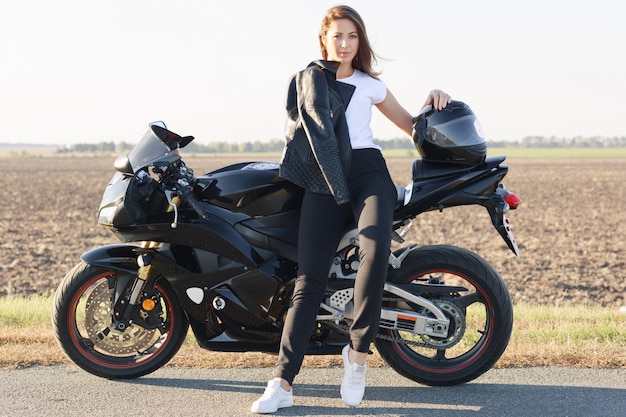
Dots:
(76, 71)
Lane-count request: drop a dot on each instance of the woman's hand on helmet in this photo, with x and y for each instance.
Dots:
(438, 99)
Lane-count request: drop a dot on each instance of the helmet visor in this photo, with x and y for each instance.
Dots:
(462, 131)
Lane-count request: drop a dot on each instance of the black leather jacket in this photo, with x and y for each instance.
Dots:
(317, 150)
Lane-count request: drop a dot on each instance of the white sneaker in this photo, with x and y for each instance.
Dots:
(353, 385)
(273, 398)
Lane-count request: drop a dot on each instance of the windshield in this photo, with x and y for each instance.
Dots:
(151, 148)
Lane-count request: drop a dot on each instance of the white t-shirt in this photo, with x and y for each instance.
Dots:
(369, 91)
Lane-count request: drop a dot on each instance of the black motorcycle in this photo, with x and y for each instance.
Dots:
(218, 253)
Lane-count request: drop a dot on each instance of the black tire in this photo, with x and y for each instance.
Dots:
(81, 323)
(486, 315)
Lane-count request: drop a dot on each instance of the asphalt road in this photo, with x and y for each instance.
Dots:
(69, 391)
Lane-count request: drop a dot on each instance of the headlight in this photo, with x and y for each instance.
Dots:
(107, 214)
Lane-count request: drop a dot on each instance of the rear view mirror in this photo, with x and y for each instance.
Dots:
(122, 164)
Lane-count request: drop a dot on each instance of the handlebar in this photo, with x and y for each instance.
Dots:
(179, 180)
(193, 202)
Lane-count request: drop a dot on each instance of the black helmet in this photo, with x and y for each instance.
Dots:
(452, 134)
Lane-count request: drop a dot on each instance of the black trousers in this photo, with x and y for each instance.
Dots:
(322, 223)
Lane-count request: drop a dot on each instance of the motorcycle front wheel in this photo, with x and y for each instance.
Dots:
(481, 317)
(82, 323)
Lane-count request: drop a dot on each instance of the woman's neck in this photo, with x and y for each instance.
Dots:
(344, 71)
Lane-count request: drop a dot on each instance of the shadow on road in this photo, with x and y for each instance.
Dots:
(59, 391)
(464, 400)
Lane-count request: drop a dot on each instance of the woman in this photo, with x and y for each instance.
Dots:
(330, 152)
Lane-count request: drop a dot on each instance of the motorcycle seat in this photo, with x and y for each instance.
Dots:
(427, 169)
(424, 169)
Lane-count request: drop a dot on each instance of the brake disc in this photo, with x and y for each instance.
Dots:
(98, 323)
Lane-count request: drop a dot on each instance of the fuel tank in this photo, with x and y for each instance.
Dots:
(251, 188)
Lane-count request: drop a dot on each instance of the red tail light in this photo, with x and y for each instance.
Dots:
(512, 200)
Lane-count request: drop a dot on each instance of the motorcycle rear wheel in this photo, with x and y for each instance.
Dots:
(483, 323)
(81, 319)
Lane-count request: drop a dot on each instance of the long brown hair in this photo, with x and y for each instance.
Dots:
(365, 56)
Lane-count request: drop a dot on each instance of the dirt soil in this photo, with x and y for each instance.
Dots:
(570, 227)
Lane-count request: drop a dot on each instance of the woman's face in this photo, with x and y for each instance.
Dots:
(341, 41)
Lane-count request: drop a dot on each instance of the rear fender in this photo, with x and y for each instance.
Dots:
(497, 207)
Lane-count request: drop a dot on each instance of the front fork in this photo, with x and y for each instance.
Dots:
(125, 307)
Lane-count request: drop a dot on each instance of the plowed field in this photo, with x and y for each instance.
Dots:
(571, 226)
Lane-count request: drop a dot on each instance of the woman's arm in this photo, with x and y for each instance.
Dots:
(399, 116)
